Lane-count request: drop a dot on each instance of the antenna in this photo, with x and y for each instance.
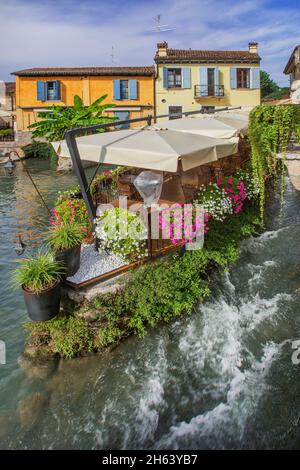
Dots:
(112, 55)
(159, 28)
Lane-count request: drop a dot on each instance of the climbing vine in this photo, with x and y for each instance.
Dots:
(270, 129)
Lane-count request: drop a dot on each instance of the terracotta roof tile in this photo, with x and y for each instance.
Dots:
(78, 71)
(207, 56)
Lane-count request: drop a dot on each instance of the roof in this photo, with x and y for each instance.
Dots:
(79, 71)
(10, 87)
(290, 62)
(202, 56)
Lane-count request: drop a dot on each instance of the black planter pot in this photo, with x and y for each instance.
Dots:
(71, 259)
(43, 306)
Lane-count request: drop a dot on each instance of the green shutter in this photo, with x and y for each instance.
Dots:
(186, 77)
(165, 77)
(254, 77)
(233, 80)
(133, 90)
(203, 81)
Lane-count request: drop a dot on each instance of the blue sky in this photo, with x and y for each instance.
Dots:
(79, 33)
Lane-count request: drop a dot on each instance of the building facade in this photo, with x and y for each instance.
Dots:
(188, 80)
(130, 89)
(292, 69)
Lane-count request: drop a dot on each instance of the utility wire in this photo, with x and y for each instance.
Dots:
(31, 179)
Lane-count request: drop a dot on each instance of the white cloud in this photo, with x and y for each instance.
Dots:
(77, 33)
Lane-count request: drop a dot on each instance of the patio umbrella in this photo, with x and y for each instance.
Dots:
(237, 121)
(4, 114)
(209, 127)
(150, 149)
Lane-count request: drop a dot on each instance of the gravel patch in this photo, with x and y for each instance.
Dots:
(94, 264)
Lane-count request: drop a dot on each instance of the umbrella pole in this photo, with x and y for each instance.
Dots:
(79, 171)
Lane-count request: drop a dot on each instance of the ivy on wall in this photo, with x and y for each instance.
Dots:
(270, 130)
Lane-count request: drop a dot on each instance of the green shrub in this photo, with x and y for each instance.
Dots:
(64, 236)
(39, 150)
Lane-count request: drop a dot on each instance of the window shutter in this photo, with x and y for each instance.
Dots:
(165, 77)
(40, 91)
(254, 77)
(133, 90)
(203, 81)
(233, 81)
(117, 89)
(57, 90)
(186, 77)
(217, 83)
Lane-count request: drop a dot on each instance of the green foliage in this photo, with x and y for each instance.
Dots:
(110, 177)
(4, 132)
(69, 210)
(107, 335)
(64, 236)
(66, 336)
(39, 273)
(270, 129)
(39, 150)
(267, 85)
(60, 119)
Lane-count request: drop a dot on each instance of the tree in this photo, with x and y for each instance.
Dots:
(53, 124)
(267, 85)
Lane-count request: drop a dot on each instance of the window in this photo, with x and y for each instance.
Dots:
(174, 78)
(122, 116)
(124, 89)
(208, 109)
(175, 110)
(243, 78)
(49, 91)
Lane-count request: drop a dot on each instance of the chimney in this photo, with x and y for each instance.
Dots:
(253, 47)
(162, 48)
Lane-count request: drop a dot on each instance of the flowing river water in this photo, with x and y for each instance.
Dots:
(220, 378)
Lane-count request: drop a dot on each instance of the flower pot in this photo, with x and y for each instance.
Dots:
(71, 259)
(43, 306)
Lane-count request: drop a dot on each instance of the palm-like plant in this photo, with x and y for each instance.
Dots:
(39, 273)
(65, 236)
(59, 119)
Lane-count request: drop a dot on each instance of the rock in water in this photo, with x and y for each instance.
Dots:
(30, 409)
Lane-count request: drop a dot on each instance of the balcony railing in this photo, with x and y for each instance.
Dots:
(209, 90)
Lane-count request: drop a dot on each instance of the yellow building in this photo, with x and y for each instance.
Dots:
(188, 80)
(130, 89)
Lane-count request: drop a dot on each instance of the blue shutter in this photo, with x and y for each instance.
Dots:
(217, 83)
(186, 77)
(165, 77)
(40, 91)
(254, 77)
(57, 90)
(203, 81)
(117, 89)
(233, 81)
(133, 90)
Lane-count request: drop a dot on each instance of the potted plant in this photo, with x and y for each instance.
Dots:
(65, 240)
(40, 279)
